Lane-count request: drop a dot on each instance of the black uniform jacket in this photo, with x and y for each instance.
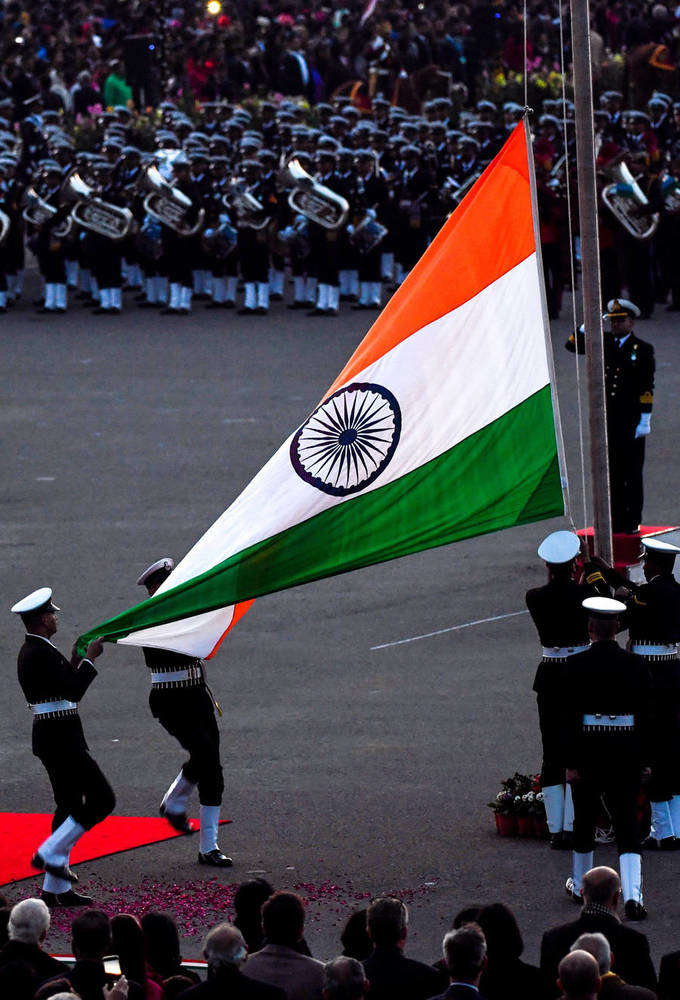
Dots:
(629, 379)
(654, 611)
(561, 621)
(606, 680)
(46, 675)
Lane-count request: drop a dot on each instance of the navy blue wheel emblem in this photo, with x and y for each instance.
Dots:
(348, 440)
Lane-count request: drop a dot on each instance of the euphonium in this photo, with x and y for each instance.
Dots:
(626, 199)
(313, 200)
(38, 212)
(4, 227)
(169, 205)
(249, 211)
(92, 212)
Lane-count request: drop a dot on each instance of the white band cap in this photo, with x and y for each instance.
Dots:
(559, 547)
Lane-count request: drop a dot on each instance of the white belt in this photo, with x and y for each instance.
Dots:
(562, 652)
(608, 722)
(664, 649)
(42, 707)
(166, 676)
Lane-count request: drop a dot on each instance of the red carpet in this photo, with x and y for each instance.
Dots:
(21, 833)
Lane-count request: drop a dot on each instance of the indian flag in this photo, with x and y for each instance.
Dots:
(440, 427)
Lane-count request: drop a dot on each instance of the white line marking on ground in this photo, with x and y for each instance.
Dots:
(451, 628)
(44, 479)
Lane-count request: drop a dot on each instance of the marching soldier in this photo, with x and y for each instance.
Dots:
(53, 686)
(653, 621)
(629, 383)
(562, 624)
(183, 704)
(253, 242)
(607, 747)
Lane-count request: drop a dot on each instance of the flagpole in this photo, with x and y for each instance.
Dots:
(590, 275)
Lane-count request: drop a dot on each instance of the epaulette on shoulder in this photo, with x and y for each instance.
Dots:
(594, 577)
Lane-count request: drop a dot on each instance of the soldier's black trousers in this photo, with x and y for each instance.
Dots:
(626, 460)
(80, 789)
(620, 788)
(549, 719)
(189, 716)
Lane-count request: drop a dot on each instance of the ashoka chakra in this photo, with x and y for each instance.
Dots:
(348, 440)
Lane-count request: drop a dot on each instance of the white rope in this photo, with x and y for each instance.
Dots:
(567, 174)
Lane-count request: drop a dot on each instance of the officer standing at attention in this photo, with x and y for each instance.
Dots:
(562, 624)
(653, 621)
(629, 384)
(183, 704)
(53, 686)
(608, 747)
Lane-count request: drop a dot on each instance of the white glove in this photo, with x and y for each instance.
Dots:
(643, 428)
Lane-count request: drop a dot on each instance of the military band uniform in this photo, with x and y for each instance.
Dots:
(608, 742)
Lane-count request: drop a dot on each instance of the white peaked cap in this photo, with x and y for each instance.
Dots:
(619, 307)
(559, 547)
(34, 601)
(166, 563)
(603, 606)
(663, 548)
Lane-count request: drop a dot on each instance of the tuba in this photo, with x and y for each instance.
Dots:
(94, 213)
(626, 200)
(38, 212)
(311, 199)
(169, 205)
(249, 211)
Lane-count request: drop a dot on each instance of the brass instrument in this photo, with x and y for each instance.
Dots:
(313, 200)
(670, 190)
(625, 199)
(4, 227)
(38, 212)
(169, 205)
(93, 213)
(249, 211)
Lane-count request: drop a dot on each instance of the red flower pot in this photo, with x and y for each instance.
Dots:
(525, 826)
(506, 826)
(541, 828)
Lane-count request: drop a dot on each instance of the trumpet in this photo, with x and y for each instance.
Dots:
(626, 200)
(311, 199)
(169, 205)
(93, 213)
(38, 212)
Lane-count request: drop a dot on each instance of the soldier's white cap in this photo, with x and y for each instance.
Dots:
(658, 547)
(39, 600)
(621, 307)
(603, 607)
(166, 564)
(559, 547)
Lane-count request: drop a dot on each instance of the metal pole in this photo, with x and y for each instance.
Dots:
(590, 273)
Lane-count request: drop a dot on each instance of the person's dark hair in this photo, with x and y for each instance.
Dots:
(51, 988)
(175, 986)
(4, 901)
(283, 919)
(128, 944)
(468, 915)
(91, 934)
(386, 920)
(248, 901)
(464, 952)
(4, 921)
(503, 937)
(355, 939)
(162, 942)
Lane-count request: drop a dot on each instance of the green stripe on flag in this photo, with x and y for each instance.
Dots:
(503, 475)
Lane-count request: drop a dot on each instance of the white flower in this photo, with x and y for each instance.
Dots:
(539, 796)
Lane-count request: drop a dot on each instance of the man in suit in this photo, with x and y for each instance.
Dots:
(29, 922)
(612, 986)
(465, 959)
(53, 686)
(601, 891)
(225, 952)
(391, 975)
(280, 963)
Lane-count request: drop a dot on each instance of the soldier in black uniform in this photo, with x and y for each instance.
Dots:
(629, 381)
(562, 624)
(608, 747)
(53, 686)
(653, 621)
(184, 706)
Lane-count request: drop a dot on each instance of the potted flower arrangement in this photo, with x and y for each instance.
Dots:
(518, 807)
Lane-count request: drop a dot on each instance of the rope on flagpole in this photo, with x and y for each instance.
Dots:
(526, 54)
(570, 217)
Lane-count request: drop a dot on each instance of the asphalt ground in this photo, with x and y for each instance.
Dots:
(351, 770)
